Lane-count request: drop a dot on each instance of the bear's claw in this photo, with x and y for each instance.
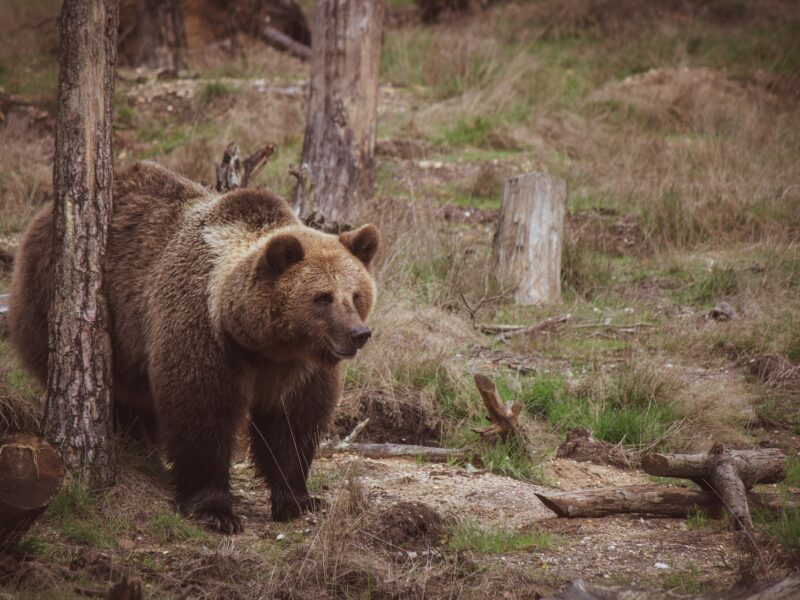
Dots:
(224, 522)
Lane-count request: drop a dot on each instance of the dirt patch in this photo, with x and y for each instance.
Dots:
(609, 233)
(407, 525)
(399, 418)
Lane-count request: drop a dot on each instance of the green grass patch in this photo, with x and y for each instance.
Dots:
(698, 519)
(214, 90)
(172, 527)
(686, 581)
(469, 535)
(76, 512)
(632, 407)
(33, 546)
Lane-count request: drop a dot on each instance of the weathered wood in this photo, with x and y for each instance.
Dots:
(725, 480)
(647, 499)
(503, 419)
(763, 465)
(283, 42)
(339, 142)
(526, 250)
(667, 501)
(233, 172)
(30, 476)
(427, 453)
(77, 416)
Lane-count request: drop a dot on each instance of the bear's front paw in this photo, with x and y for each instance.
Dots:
(287, 508)
(214, 510)
(223, 521)
(312, 504)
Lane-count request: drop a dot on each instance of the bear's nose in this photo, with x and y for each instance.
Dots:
(360, 335)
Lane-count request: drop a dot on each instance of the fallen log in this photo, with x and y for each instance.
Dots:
(30, 476)
(281, 41)
(763, 465)
(729, 473)
(426, 453)
(639, 499)
(503, 418)
(665, 501)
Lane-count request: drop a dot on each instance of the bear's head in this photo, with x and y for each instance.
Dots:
(305, 295)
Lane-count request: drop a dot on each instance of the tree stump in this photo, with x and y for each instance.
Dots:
(339, 142)
(30, 475)
(503, 418)
(77, 416)
(527, 243)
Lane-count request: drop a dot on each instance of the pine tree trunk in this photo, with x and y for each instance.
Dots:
(77, 417)
(339, 144)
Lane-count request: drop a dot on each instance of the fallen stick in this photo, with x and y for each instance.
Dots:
(427, 453)
(233, 173)
(536, 328)
(612, 326)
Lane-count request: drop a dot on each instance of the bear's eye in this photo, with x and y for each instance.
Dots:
(324, 298)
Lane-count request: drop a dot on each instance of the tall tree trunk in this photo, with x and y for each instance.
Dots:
(157, 34)
(339, 144)
(77, 415)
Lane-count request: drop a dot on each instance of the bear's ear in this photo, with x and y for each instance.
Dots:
(282, 252)
(362, 242)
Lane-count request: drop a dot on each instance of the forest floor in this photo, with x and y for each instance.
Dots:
(678, 133)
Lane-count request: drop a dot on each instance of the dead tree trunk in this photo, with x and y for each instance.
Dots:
(30, 475)
(339, 143)
(155, 37)
(77, 418)
(527, 244)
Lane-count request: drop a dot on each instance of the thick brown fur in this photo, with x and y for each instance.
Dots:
(221, 307)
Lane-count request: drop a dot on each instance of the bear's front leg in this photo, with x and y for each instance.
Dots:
(198, 423)
(284, 434)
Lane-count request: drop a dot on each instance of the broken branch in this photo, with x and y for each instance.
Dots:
(503, 418)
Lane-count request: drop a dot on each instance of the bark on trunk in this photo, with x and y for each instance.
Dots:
(30, 475)
(729, 473)
(527, 243)
(77, 418)
(654, 500)
(767, 465)
(158, 35)
(648, 499)
(339, 143)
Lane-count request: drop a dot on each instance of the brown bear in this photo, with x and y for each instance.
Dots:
(220, 307)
